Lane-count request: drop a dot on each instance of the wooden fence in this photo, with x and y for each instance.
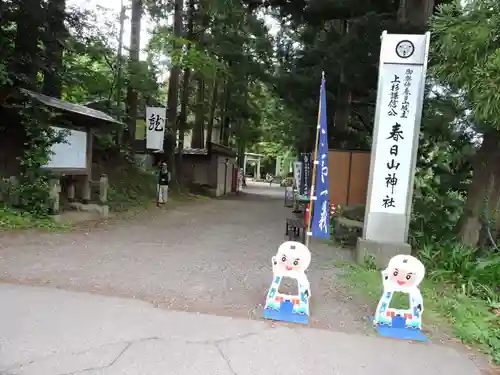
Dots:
(348, 173)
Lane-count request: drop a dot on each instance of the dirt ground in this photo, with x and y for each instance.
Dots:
(210, 256)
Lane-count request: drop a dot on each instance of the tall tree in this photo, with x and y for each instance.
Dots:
(175, 71)
(26, 62)
(54, 40)
(119, 57)
(416, 12)
(465, 43)
(135, 45)
(186, 79)
(212, 108)
(198, 139)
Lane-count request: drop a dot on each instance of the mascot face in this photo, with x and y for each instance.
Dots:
(292, 259)
(403, 273)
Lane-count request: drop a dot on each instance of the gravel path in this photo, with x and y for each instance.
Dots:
(210, 256)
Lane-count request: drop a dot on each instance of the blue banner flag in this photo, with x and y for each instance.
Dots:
(320, 226)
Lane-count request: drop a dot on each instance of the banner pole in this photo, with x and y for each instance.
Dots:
(314, 171)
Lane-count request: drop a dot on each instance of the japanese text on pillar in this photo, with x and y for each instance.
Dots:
(396, 133)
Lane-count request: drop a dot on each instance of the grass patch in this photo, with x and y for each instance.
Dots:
(11, 219)
(138, 189)
(133, 187)
(470, 319)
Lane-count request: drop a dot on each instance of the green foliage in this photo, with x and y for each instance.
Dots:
(464, 38)
(33, 188)
(11, 219)
(194, 57)
(443, 168)
(91, 62)
(132, 187)
(463, 268)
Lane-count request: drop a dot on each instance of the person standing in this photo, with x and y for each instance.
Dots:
(269, 178)
(163, 180)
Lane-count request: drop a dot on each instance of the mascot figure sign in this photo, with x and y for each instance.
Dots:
(403, 274)
(292, 261)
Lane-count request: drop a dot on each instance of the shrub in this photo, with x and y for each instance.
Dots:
(462, 267)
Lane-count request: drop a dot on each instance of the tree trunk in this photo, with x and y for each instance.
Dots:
(182, 121)
(184, 107)
(243, 129)
(213, 107)
(119, 62)
(199, 122)
(185, 87)
(343, 100)
(226, 118)
(203, 20)
(402, 11)
(135, 45)
(55, 38)
(173, 88)
(343, 106)
(26, 60)
(470, 224)
(416, 12)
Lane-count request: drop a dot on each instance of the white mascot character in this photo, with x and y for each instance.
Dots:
(292, 260)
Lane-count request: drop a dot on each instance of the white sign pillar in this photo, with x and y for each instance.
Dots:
(401, 84)
(155, 127)
(277, 171)
(245, 165)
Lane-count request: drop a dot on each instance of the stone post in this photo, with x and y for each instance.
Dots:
(86, 189)
(103, 189)
(401, 83)
(103, 195)
(71, 190)
(14, 198)
(54, 191)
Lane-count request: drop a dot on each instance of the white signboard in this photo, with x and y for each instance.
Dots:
(70, 154)
(297, 172)
(155, 127)
(399, 109)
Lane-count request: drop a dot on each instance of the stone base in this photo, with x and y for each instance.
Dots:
(102, 210)
(381, 252)
(56, 218)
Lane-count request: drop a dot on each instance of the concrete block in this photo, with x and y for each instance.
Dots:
(105, 211)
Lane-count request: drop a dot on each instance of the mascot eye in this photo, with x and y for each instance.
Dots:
(395, 273)
(283, 258)
(408, 277)
(295, 262)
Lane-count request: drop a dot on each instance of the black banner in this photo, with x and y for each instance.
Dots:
(306, 181)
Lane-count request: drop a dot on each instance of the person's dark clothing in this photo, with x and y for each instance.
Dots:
(163, 177)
